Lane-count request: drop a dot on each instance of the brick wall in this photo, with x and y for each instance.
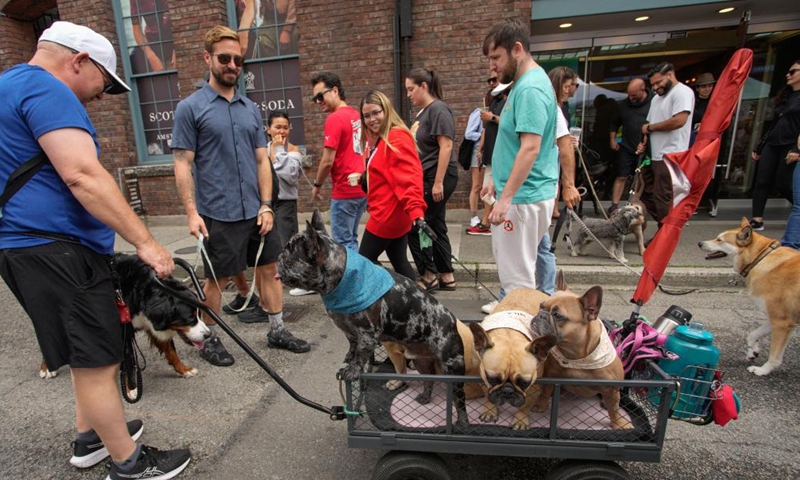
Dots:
(354, 40)
(18, 42)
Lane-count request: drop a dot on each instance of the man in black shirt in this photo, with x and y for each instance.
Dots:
(631, 115)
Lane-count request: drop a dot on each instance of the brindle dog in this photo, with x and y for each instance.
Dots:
(404, 314)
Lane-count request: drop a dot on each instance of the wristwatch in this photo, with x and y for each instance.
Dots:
(318, 185)
(267, 203)
(649, 128)
(494, 118)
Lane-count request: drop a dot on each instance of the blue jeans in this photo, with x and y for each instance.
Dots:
(545, 266)
(345, 215)
(792, 236)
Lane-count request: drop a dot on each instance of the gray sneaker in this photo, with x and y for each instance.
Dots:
(283, 338)
(215, 353)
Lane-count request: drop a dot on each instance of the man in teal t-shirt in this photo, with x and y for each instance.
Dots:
(525, 158)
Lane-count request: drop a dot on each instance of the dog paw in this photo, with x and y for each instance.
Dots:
(393, 385)
(189, 373)
(489, 415)
(622, 424)
(423, 398)
(350, 373)
(752, 353)
(47, 374)
(521, 422)
(760, 371)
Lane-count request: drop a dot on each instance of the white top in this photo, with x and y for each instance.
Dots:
(679, 99)
(561, 124)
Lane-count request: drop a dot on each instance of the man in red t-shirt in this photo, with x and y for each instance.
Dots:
(341, 157)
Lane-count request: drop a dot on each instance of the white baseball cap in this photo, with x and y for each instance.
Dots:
(84, 39)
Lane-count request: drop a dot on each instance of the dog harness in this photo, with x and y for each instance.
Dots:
(362, 285)
(513, 319)
(602, 356)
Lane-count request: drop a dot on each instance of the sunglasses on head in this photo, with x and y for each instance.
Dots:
(225, 58)
(320, 96)
(492, 80)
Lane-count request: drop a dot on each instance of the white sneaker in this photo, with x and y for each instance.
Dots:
(712, 212)
(487, 309)
(474, 221)
(298, 292)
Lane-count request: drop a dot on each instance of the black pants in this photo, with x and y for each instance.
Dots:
(396, 249)
(772, 174)
(435, 259)
(285, 219)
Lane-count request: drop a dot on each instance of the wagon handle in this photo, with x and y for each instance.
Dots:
(335, 412)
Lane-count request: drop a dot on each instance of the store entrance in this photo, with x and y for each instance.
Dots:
(606, 65)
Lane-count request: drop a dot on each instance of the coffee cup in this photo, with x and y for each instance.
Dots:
(353, 179)
(488, 199)
(575, 132)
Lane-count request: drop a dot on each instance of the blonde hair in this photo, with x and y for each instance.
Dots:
(390, 120)
(217, 34)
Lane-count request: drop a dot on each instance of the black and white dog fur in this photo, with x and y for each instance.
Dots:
(159, 314)
(610, 232)
(405, 314)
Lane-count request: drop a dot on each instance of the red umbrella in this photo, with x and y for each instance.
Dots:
(697, 164)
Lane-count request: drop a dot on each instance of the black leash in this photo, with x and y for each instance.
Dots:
(131, 368)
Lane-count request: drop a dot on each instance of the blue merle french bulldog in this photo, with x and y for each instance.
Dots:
(370, 305)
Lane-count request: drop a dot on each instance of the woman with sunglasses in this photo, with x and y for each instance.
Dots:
(774, 152)
(393, 182)
(434, 129)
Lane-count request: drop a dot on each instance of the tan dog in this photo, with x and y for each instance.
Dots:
(398, 356)
(583, 351)
(771, 274)
(510, 360)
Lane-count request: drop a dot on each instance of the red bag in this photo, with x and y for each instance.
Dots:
(725, 407)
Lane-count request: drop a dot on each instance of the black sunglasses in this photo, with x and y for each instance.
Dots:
(793, 71)
(320, 96)
(225, 58)
(108, 84)
(492, 80)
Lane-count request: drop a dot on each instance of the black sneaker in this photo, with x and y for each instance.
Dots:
(758, 226)
(256, 315)
(154, 464)
(283, 338)
(89, 454)
(214, 352)
(236, 305)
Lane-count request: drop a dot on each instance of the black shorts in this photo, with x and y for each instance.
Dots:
(67, 291)
(232, 246)
(626, 163)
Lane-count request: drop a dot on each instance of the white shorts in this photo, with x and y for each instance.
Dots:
(515, 243)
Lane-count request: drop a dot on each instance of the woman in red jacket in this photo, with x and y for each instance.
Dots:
(394, 183)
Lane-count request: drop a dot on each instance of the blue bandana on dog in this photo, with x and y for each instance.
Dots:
(362, 285)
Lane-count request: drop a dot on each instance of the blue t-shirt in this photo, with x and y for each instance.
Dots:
(223, 136)
(530, 108)
(33, 102)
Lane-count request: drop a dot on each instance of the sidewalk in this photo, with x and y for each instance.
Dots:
(688, 266)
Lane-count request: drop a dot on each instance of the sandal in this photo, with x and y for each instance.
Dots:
(428, 286)
(716, 255)
(447, 286)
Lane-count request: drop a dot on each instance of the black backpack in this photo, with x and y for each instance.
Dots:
(465, 153)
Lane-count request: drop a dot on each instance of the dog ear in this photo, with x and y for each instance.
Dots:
(561, 282)
(316, 221)
(481, 340)
(744, 223)
(315, 244)
(745, 236)
(591, 301)
(540, 346)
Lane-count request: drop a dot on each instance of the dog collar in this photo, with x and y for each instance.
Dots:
(771, 248)
(513, 319)
(602, 356)
(362, 284)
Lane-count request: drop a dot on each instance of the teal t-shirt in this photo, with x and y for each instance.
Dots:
(531, 108)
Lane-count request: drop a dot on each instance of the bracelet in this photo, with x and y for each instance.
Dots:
(266, 210)
(318, 185)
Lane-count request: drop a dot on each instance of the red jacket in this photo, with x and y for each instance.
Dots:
(394, 179)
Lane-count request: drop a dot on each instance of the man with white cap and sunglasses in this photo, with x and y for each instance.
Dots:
(57, 231)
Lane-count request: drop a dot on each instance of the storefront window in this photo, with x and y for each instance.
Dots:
(268, 33)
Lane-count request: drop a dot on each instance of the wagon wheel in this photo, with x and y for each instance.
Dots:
(583, 470)
(410, 466)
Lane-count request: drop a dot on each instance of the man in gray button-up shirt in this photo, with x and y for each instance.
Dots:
(224, 179)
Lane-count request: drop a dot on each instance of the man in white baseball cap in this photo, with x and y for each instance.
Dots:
(57, 232)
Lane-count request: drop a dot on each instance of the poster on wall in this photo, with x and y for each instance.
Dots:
(149, 31)
(267, 28)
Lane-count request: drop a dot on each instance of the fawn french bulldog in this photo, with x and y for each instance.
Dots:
(511, 358)
(583, 350)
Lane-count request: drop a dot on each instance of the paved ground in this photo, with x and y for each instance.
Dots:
(240, 425)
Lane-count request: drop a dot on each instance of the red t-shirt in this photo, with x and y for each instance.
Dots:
(343, 134)
(395, 186)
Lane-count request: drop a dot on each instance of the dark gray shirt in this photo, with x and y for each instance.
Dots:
(436, 119)
(223, 136)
